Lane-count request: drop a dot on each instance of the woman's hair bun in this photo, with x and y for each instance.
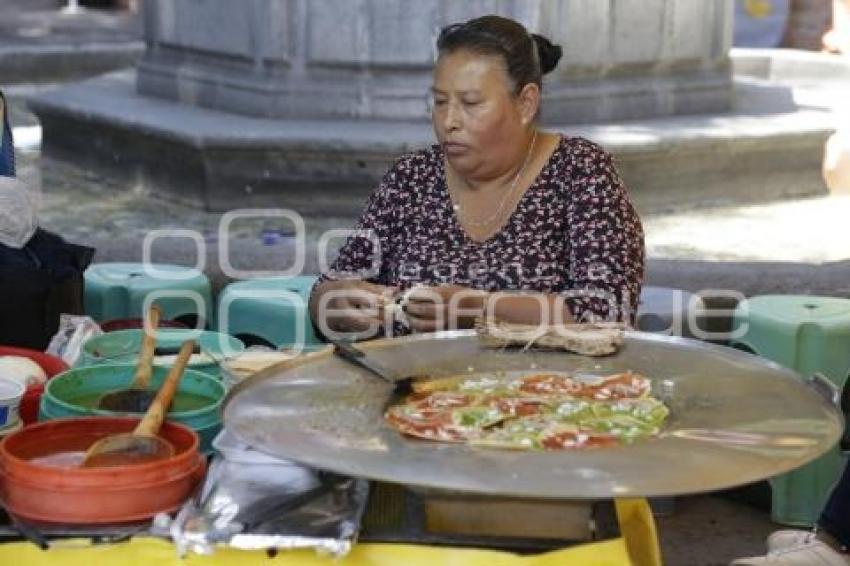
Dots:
(549, 53)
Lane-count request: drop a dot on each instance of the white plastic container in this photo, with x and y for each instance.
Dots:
(11, 392)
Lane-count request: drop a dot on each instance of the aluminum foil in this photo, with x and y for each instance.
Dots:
(253, 501)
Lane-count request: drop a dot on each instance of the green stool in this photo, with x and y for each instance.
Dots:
(809, 335)
(268, 310)
(118, 291)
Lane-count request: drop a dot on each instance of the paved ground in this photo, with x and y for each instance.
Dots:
(711, 531)
(39, 42)
(29, 22)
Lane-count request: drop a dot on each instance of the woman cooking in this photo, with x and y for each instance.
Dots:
(499, 215)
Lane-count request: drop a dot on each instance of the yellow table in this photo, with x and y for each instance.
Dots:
(638, 546)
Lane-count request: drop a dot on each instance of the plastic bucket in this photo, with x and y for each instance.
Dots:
(11, 393)
(206, 433)
(123, 347)
(94, 495)
(51, 365)
(75, 393)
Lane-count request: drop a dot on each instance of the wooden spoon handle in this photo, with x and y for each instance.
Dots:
(153, 418)
(144, 367)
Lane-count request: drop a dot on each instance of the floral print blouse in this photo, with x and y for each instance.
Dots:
(574, 232)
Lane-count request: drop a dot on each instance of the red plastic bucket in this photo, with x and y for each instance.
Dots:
(51, 365)
(117, 494)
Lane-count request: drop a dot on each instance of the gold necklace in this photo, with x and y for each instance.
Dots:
(487, 221)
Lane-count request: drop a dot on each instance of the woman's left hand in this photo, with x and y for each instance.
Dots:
(429, 309)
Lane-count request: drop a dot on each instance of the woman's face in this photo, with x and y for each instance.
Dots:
(477, 118)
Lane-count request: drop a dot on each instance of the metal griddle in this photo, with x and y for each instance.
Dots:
(735, 418)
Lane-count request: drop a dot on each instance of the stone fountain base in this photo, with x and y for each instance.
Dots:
(768, 147)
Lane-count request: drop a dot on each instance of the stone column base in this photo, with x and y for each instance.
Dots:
(220, 161)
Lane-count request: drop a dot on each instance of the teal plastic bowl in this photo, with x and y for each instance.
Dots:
(123, 347)
(75, 393)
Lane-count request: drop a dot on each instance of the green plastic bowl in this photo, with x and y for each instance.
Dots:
(75, 392)
(123, 347)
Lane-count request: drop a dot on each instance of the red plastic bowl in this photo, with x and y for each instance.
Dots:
(116, 494)
(51, 365)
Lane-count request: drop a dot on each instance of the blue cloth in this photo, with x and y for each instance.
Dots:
(7, 147)
(836, 515)
(760, 23)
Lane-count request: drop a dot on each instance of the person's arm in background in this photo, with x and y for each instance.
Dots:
(348, 298)
(836, 162)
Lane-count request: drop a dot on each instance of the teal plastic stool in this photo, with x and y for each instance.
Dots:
(118, 290)
(268, 310)
(809, 335)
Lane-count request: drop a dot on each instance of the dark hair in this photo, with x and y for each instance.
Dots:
(527, 56)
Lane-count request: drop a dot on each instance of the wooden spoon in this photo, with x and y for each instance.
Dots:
(138, 397)
(143, 445)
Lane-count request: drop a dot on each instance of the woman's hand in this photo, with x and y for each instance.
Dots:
(352, 306)
(429, 309)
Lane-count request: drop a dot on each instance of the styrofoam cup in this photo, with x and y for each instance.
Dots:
(11, 392)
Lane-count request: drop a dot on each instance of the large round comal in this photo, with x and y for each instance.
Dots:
(734, 418)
